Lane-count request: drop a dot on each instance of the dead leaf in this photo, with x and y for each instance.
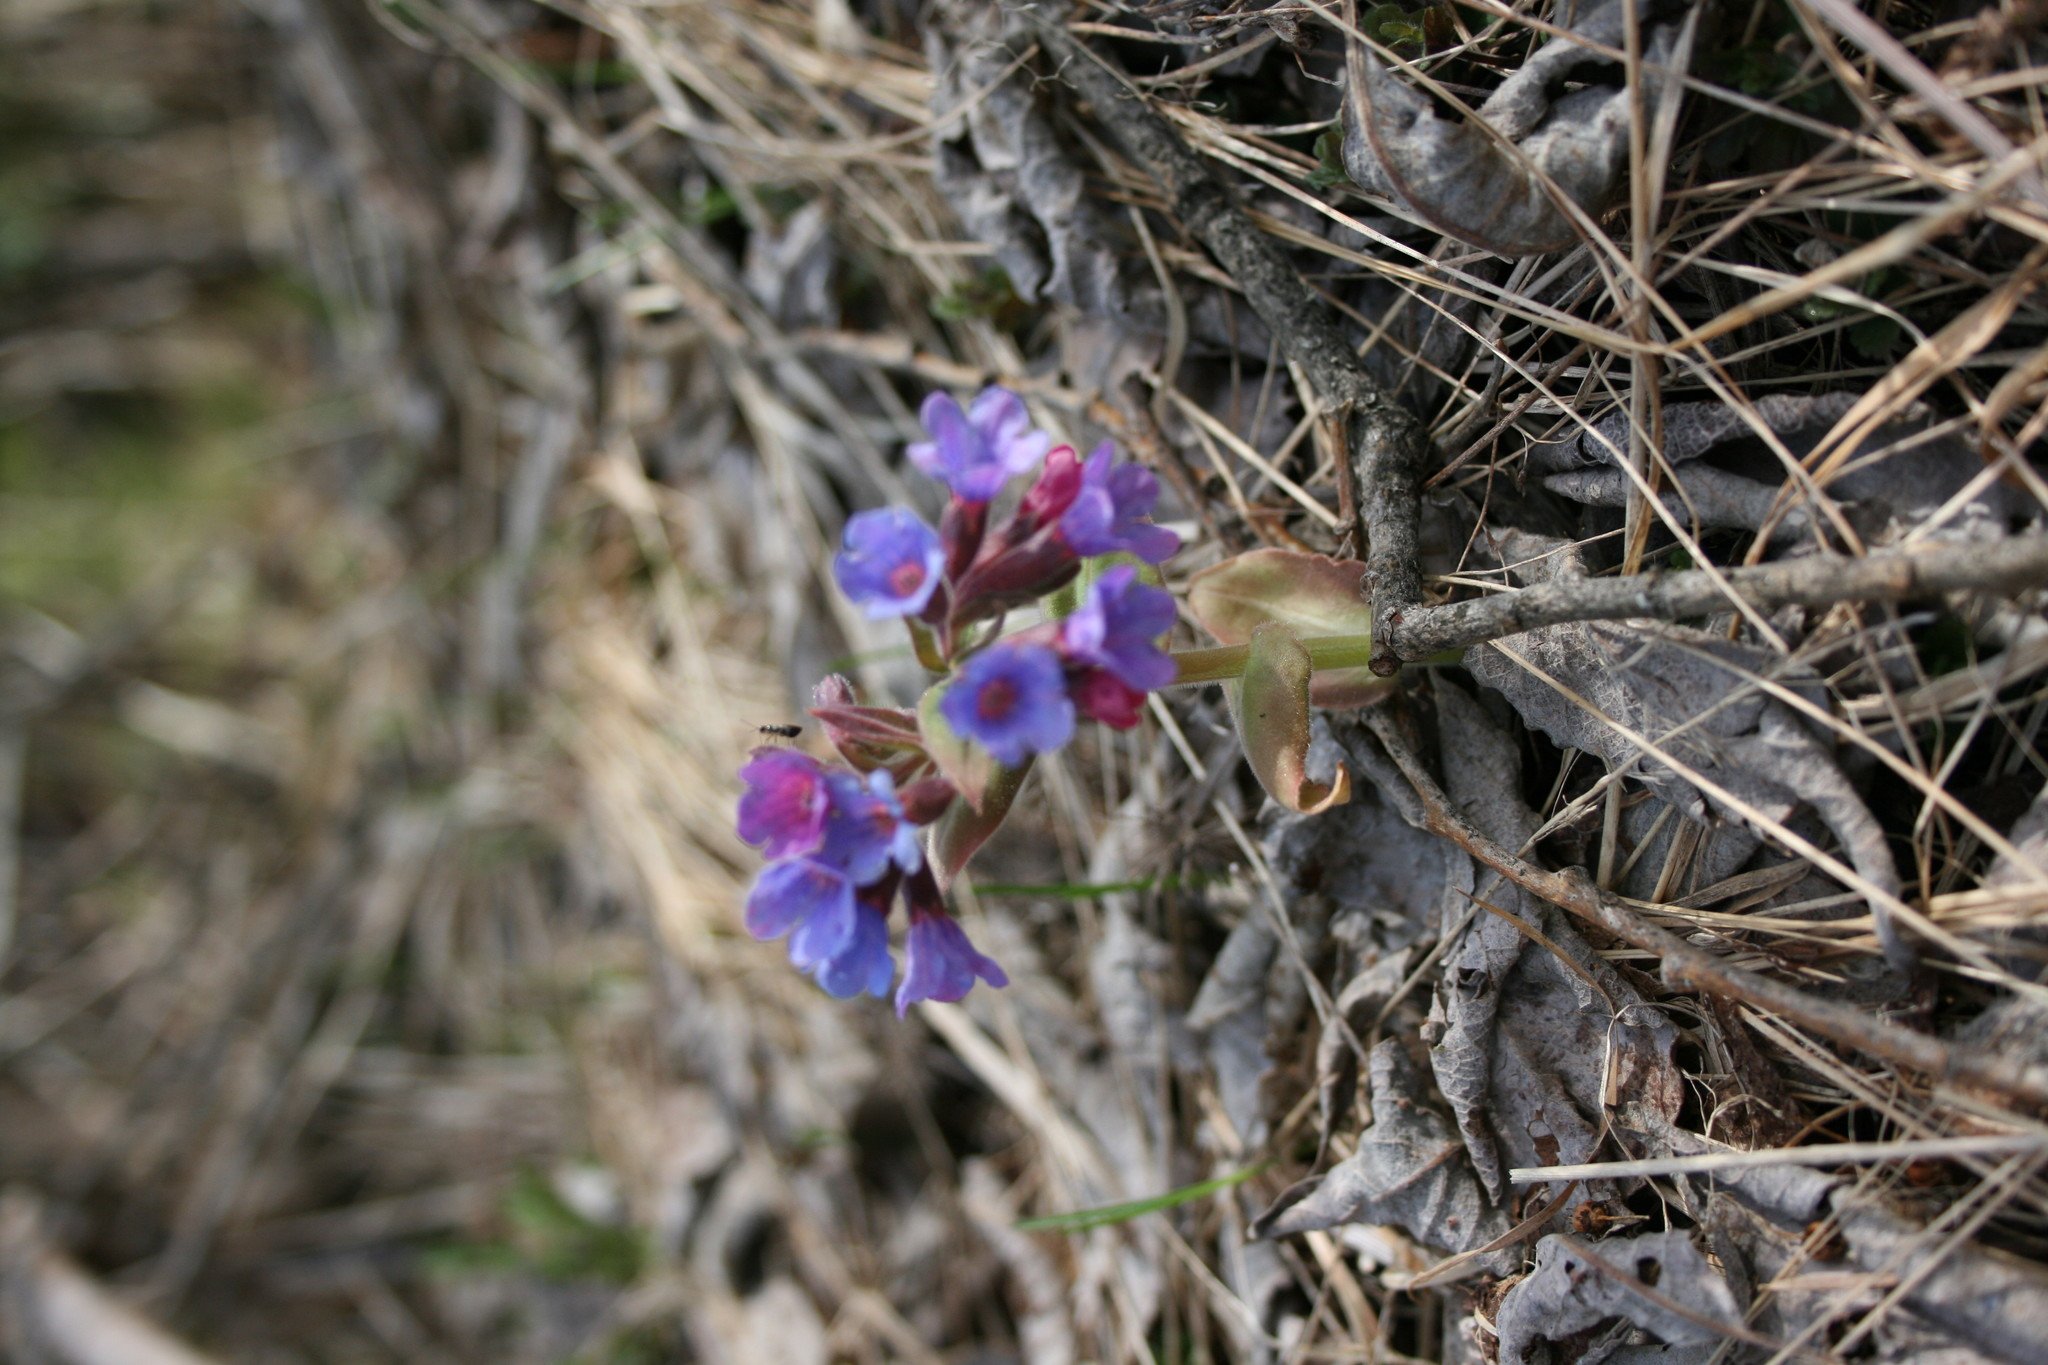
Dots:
(1532, 1040)
(1410, 1171)
(1727, 477)
(1685, 691)
(1557, 127)
(1988, 1298)
(1657, 1283)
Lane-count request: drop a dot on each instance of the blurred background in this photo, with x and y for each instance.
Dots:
(368, 717)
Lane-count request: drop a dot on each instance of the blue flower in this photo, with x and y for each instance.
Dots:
(940, 964)
(863, 966)
(783, 808)
(809, 900)
(865, 830)
(1117, 629)
(1109, 514)
(892, 562)
(1012, 700)
(976, 452)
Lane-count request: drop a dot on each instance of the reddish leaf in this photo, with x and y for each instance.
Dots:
(1311, 595)
(1270, 706)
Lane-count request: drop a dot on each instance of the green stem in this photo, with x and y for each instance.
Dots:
(1225, 662)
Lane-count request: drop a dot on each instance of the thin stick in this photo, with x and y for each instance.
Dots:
(1833, 1154)
(1687, 967)
(1388, 444)
(2003, 566)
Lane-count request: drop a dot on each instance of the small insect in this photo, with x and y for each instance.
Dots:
(781, 731)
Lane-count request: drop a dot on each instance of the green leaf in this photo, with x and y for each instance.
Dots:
(1312, 595)
(969, 767)
(1270, 706)
(1329, 161)
(1394, 25)
(1875, 337)
(963, 828)
(1106, 1215)
(1063, 602)
(985, 296)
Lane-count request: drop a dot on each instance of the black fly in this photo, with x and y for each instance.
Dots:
(781, 731)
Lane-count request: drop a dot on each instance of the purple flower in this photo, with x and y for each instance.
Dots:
(1117, 629)
(810, 901)
(1012, 700)
(975, 452)
(892, 562)
(1109, 513)
(865, 830)
(783, 809)
(864, 965)
(940, 964)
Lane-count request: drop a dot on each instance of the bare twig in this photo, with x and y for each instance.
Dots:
(1828, 1154)
(1389, 445)
(2006, 566)
(1687, 967)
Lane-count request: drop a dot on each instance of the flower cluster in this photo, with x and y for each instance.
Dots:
(1020, 696)
(842, 838)
(842, 846)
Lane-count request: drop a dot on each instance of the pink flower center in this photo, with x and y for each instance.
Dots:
(998, 698)
(906, 578)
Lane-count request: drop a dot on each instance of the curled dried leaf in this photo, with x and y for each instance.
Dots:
(1499, 178)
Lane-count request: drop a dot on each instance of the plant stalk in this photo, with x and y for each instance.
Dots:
(1226, 662)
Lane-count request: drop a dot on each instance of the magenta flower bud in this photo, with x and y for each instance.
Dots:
(976, 452)
(1099, 696)
(1012, 700)
(863, 966)
(1052, 493)
(1117, 629)
(1014, 577)
(926, 799)
(939, 963)
(1110, 512)
(783, 809)
(892, 563)
(865, 830)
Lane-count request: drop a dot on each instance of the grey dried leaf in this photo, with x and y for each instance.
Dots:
(1659, 1283)
(1410, 1171)
(1248, 1005)
(791, 269)
(1684, 690)
(1697, 857)
(1337, 1050)
(1992, 1300)
(1003, 168)
(2029, 838)
(1526, 1049)
(1493, 180)
(1727, 477)
(1384, 877)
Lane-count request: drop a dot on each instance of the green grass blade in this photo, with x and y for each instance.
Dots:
(1102, 1216)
